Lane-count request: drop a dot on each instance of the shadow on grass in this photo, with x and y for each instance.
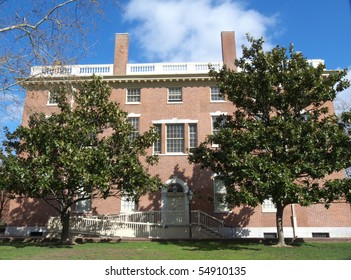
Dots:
(217, 245)
(24, 243)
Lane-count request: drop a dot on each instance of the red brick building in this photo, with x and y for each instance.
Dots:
(181, 101)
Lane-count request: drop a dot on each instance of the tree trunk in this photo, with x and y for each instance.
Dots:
(279, 220)
(65, 220)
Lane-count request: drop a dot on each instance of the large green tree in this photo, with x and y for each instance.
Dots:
(282, 141)
(86, 150)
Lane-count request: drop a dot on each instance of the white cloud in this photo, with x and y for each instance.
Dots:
(189, 30)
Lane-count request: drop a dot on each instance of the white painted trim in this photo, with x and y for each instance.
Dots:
(174, 121)
(133, 115)
(218, 113)
(301, 232)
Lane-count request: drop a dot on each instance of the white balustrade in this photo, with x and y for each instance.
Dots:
(72, 70)
(135, 224)
(132, 69)
(172, 68)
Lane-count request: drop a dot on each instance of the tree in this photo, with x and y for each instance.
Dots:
(282, 141)
(40, 33)
(88, 150)
(5, 197)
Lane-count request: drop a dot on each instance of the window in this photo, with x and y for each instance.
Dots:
(220, 192)
(83, 206)
(157, 144)
(175, 138)
(192, 136)
(216, 95)
(133, 95)
(268, 205)
(174, 94)
(52, 98)
(215, 125)
(127, 204)
(134, 121)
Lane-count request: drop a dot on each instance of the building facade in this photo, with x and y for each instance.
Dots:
(182, 102)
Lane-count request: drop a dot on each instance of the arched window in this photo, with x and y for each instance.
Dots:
(175, 187)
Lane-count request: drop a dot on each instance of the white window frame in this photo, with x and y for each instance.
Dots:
(268, 206)
(192, 137)
(128, 204)
(158, 143)
(133, 96)
(219, 189)
(83, 206)
(213, 130)
(215, 95)
(136, 125)
(163, 124)
(52, 101)
(176, 139)
(177, 92)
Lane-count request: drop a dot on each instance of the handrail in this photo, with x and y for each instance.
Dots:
(135, 223)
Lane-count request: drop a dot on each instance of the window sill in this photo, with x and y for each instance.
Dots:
(174, 102)
(269, 211)
(133, 103)
(52, 104)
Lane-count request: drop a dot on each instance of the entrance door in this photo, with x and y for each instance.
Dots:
(175, 204)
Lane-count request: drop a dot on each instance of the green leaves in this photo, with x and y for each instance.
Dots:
(282, 139)
(83, 149)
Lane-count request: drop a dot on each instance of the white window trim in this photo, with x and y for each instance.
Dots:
(176, 101)
(166, 131)
(270, 209)
(164, 123)
(215, 101)
(216, 114)
(124, 199)
(174, 121)
(189, 135)
(227, 208)
(161, 137)
(48, 101)
(85, 202)
(132, 115)
(133, 102)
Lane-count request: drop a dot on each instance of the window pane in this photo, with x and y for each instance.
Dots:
(83, 206)
(215, 94)
(268, 205)
(175, 138)
(157, 144)
(174, 94)
(52, 97)
(133, 95)
(134, 121)
(220, 192)
(192, 136)
(127, 204)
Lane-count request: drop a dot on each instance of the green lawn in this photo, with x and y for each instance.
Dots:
(175, 250)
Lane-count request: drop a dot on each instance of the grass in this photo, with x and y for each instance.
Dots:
(174, 250)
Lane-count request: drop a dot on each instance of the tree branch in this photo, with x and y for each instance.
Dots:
(25, 26)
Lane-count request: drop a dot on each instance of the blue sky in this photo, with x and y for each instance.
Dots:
(189, 30)
(164, 30)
